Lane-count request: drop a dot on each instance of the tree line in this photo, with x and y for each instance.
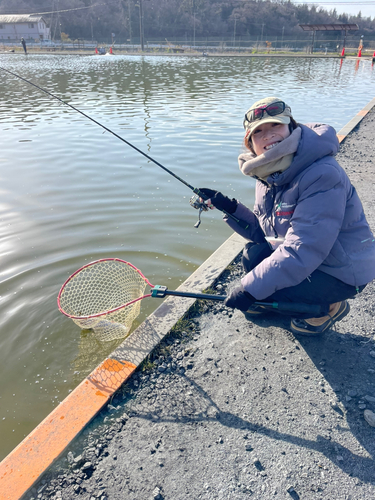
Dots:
(183, 20)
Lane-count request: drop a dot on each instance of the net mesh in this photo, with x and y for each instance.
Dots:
(101, 287)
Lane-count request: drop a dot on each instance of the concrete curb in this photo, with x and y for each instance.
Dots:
(354, 121)
(38, 451)
(24, 466)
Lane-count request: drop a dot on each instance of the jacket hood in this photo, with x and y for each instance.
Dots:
(317, 141)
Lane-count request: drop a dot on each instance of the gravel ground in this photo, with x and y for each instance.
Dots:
(231, 409)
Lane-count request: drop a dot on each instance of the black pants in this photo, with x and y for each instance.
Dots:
(319, 288)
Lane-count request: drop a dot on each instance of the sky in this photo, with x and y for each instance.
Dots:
(367, 7)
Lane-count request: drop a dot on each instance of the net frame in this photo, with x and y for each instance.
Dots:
(109, 310)
(111, 322)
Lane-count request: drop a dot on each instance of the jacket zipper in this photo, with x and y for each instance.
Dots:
(273, 212)
(270, 214)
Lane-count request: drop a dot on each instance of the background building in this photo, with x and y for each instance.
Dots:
(29, 27)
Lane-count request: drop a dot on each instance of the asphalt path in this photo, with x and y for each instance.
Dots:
(226, 408)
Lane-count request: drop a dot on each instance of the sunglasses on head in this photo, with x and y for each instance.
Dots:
(276, 108)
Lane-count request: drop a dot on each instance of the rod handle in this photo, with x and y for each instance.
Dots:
(240, 222)
(296, 307)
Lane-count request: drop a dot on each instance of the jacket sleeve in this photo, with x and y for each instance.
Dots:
(254, 231)
(314, 228)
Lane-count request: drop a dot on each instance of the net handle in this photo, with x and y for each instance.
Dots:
(111, 310)
(292, 307)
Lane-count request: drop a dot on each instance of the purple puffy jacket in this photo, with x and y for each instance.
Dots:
(315, 208)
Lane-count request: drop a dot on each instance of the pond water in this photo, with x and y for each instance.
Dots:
(71, 194)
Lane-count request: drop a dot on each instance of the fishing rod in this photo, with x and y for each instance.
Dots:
(194, 201)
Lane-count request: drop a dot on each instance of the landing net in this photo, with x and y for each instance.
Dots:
(104, 296)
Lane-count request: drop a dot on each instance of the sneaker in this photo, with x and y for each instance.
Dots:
(302, 327)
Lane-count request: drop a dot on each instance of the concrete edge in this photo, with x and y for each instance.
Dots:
(345, 131)
(22, 468)
(25, 465)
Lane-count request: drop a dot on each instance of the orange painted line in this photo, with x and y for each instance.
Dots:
(31, 458)
(341, 137)
(363, 112)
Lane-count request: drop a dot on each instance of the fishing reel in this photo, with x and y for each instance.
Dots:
(198, 205)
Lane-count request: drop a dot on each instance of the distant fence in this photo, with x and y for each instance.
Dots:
(298, 43)
(240, 45)
(269, 45)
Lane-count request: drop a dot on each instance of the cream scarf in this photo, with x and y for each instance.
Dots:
(276, 159)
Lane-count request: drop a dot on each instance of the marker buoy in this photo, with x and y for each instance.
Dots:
(110, 50)
(343, 52)
(96, 50)
(359, 53)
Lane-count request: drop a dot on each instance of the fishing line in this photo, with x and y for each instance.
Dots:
(194, 202)
(101, 125)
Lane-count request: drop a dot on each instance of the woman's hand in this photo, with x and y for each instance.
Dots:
(239, 299)
(219, 201)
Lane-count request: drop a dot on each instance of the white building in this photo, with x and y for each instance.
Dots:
(30, 27)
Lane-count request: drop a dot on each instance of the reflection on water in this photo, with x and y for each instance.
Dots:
(71, 194)
(91, 352)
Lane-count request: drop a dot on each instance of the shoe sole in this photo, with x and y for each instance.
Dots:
(251, 313)
(338, 317)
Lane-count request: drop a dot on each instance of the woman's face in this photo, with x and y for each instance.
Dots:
(266, 136)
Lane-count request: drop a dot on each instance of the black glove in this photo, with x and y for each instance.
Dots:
(220, 201)
(239, 299)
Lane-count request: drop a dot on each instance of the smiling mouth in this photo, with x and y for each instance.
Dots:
(270, 146)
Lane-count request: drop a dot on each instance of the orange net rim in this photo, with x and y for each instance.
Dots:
(109, 310)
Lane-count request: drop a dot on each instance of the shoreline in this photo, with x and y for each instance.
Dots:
(188, 53)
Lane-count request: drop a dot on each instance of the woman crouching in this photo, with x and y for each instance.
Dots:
(309, 240)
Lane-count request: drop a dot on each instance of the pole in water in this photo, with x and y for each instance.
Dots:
(195, 203)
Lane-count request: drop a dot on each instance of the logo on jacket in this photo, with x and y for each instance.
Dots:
(284, 210)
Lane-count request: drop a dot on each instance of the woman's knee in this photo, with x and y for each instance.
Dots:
(253, 254)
